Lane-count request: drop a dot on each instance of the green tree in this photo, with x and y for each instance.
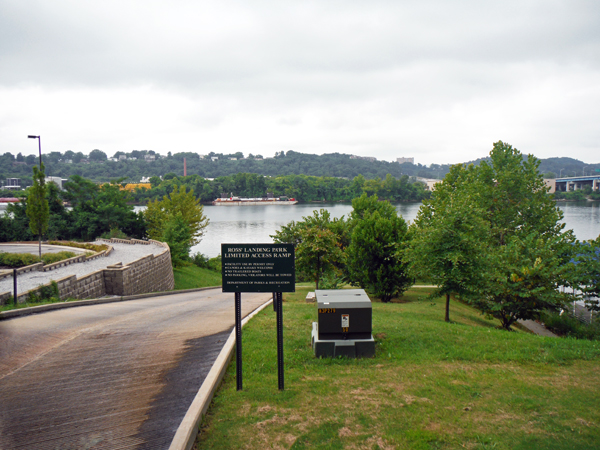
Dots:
(317, 240)
(449, 235)
(179, 202)
(587, 272)
(374, 258)
(517, 226)
(37, 205)
(97, 155)
(100, 209)
(178, 236)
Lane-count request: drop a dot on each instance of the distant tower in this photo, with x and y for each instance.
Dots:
(184, 168)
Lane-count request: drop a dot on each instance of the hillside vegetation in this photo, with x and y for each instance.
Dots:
(98, 167)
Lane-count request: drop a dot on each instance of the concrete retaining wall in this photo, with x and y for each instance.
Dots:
(148, 274)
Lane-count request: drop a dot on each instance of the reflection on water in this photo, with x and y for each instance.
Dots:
(255, 224)
(582, 217)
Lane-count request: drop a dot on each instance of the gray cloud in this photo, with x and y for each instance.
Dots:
(442, 79)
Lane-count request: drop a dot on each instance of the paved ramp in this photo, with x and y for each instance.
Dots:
(113, 376)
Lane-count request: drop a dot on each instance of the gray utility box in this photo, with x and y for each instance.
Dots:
(344, 326)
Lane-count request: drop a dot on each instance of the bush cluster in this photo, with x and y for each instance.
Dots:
(204, 262)
(44, 293)
(16, 260)
(566, 325)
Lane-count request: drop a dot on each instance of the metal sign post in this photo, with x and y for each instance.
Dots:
(15, 286)
(238, 339)
(280, 340)
(258, 268)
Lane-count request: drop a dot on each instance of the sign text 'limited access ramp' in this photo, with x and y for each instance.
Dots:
(258, 268)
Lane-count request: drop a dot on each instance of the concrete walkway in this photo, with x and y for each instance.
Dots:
(536, 328)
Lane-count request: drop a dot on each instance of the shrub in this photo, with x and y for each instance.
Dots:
(215, 263)
(200, 260)
(114, 233)
(45, 293)
(49, 258)
(15, 260)
(566, 325)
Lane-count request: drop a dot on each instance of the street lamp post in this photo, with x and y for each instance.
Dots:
(560, 174)
(39, 138)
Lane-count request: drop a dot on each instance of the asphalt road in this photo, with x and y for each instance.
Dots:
(112, 376)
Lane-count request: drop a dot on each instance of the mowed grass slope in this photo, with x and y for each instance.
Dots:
(191, 277)
(431, 385)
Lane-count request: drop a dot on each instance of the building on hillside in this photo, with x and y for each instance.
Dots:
(405, 160)
(56, 180)
(429, 182)
(13, 184)
(150, 157)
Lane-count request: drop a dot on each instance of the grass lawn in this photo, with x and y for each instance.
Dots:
(190, 277)
(431, 385)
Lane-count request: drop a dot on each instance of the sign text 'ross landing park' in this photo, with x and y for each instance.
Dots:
(258, 267)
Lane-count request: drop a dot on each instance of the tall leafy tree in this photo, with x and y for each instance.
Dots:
(586, 274)
(100, 209)
(374, 258)
(179, 203)
(178, 236)
(448, 244)
(318, 242)
(513, 223)
(38, 210)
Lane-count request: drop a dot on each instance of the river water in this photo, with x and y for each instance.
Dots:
(255, 224)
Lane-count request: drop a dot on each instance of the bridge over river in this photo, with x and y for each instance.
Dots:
(111, 376)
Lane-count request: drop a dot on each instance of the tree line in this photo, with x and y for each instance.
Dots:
(303, 188)
(489, 235)
(133, 165)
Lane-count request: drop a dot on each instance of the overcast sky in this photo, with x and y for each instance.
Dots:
(435, 79)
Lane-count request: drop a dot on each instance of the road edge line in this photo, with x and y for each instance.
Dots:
(186, 433)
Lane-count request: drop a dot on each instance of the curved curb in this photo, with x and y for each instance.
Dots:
(12, 313)
(188, 429)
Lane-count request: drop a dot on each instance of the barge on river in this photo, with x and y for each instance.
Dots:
(231, 200)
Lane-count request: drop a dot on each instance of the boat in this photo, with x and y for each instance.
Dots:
(269, 199)
(4, 202)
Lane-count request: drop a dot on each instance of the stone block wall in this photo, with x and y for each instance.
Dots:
(148, 274)
(88, 286)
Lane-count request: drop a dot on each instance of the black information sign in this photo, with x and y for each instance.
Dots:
(258, 268)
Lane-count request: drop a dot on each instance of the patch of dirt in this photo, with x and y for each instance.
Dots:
(409, 399)
(263, 409)
(345, 432)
